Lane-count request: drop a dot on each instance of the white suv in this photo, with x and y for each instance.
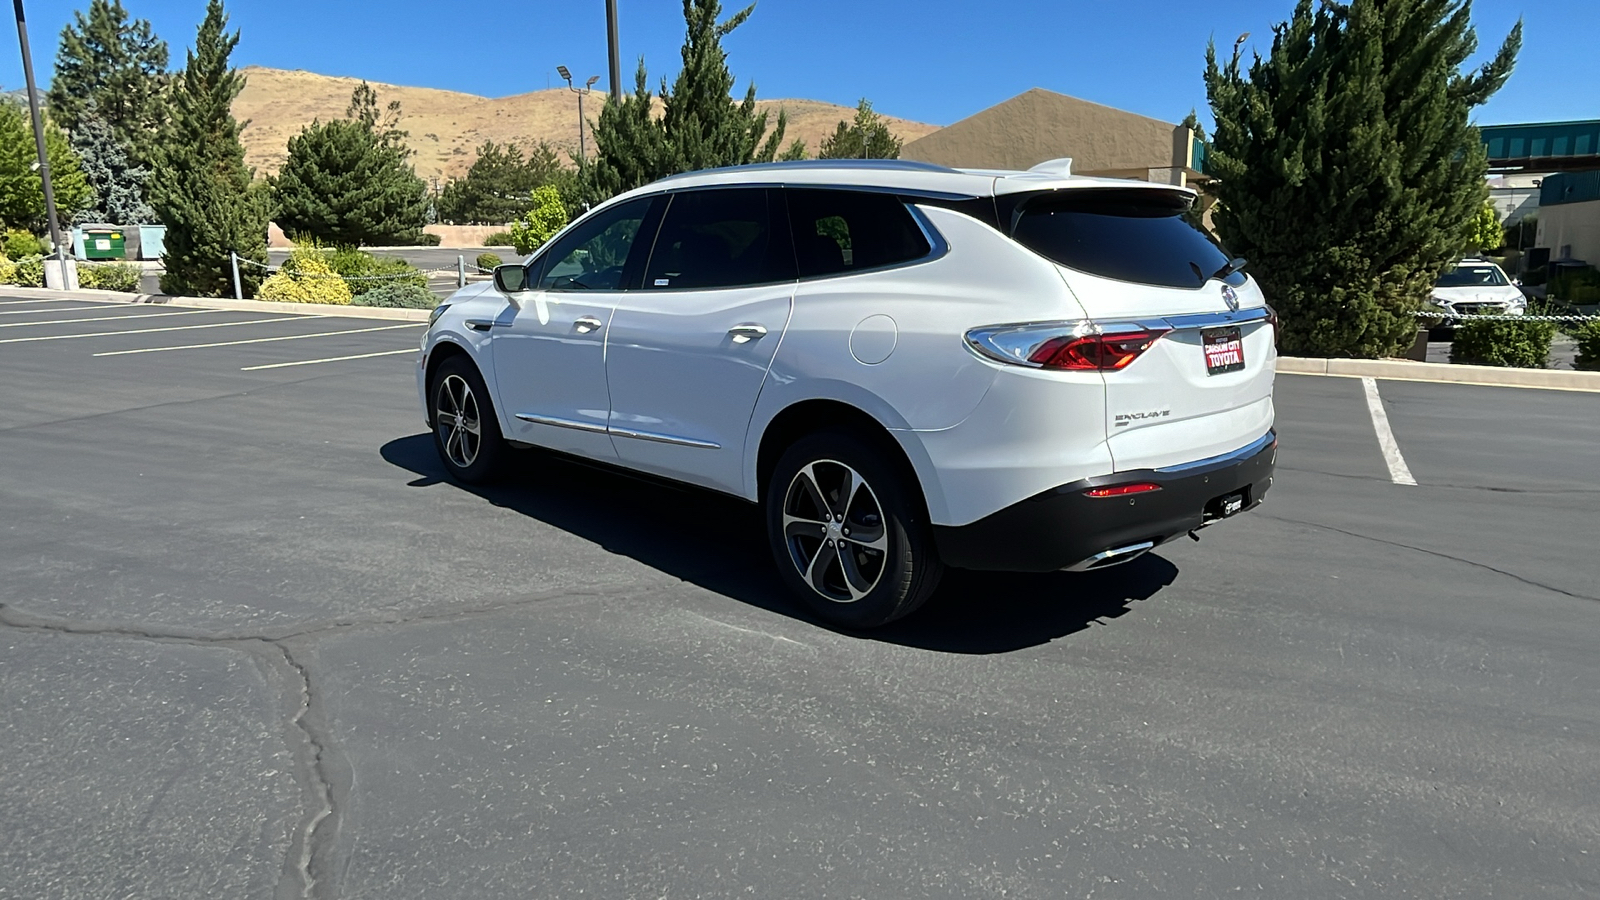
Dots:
(907, 366)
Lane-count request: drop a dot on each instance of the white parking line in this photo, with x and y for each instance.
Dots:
(291, 337)
(68, 337)
(55, 309)
(312, 362)
(41, 300)
(1398, 471)
(187, 312)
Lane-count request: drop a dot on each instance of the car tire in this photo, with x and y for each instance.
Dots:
(870, 558)
(466, 432)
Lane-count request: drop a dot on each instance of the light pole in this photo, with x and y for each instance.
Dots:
(612, 51)
(44, 156)
(566, 75)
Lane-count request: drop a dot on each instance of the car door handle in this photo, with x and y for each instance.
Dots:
(748, 331)
(586, 324)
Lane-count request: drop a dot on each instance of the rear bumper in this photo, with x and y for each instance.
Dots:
(1065, 528)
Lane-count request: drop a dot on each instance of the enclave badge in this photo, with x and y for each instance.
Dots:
(1232, 296)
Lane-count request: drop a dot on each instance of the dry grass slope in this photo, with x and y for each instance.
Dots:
(446, 127)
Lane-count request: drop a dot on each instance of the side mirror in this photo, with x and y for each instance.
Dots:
(512, 279)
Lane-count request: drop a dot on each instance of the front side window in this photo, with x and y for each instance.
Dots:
(1473, 276)
(1140, 236)
(592, 256)
(718, 238)
(837, 232)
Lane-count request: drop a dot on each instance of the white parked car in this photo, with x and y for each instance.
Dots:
(1474, 287)
(907, 366)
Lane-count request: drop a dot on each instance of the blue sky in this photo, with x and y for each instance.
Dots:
(932, 60)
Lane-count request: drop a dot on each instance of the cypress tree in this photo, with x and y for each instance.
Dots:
(1348, 166)
(116, 67)
(868, 137)
(348, 182)
(701, 127)
(200, 187)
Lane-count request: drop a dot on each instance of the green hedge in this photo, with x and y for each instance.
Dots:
(109, 277)
(1516, 344)
(488, 260)
(402, 294)
(498, 239)
(1588, 337)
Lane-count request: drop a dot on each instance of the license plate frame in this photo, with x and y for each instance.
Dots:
(1223, 348)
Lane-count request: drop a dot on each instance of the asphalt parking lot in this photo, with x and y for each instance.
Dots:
(253, 645)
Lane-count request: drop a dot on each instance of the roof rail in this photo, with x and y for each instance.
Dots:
(895, 165)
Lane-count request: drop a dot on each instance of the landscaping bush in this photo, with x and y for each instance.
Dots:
(363, 270)
(1579, 288)
(110, 277)
(21, 243)
(547, 216)
(498, 239)
(306, 278)
(488, 261)
(8, 271)
(30, 271)
(1588, 337)
(401, 294)
(1503, 342)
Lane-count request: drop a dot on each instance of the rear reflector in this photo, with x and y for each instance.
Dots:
(1122, 490)
(1094, 352)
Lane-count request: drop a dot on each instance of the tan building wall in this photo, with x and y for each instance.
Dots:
(1574, 225)
(1039, 125)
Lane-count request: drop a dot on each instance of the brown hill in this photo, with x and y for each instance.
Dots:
(446, 127)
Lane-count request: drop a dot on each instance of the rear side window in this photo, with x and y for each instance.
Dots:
(1139, 236)
(849, 231)
(719, 238)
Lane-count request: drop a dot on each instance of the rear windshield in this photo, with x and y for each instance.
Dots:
(1473, 276)
(1140, 236)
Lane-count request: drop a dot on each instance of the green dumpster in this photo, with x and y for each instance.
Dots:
(101, 243)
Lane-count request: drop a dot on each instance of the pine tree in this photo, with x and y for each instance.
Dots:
(118, 183)
(498, 188)
(21, 188)
(868, 137)
(701, 127)
(117, 67)
(348, 182)
(199, 186)
(1347, 164)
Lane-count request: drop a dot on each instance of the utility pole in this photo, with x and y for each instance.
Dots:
(613, 50)
(38, 138)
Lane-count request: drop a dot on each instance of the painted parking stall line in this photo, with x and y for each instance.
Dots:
(1399, 472)
(265, 340)
(57, 309)
(187, 312)
(312, 362)
(100, 334)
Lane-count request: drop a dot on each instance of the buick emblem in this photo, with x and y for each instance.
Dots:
(1231, 296)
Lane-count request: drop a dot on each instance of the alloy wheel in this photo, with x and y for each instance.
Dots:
(456, 417)
(834, 529)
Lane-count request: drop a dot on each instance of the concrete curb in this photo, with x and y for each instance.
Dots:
(302, 309)
(1442, 373)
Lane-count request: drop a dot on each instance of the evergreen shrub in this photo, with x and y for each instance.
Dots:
(21, 243)
(488, 260)
(1588, 337)
(1503, 342)
(309, 280)
(110, 277)
(498, 239)
(400, 294)
(30, 271)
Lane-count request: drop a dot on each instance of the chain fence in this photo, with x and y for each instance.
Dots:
(463, 272)
(1501, 317)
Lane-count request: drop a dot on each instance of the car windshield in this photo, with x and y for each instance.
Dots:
(1473, 276)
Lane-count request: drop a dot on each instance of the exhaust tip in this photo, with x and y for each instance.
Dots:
(1113, 557)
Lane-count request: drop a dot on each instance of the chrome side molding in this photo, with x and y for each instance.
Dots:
(601, 428)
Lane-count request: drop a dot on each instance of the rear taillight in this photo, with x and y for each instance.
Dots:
(1072, 346)
(1123, 490)
(1103, 352)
